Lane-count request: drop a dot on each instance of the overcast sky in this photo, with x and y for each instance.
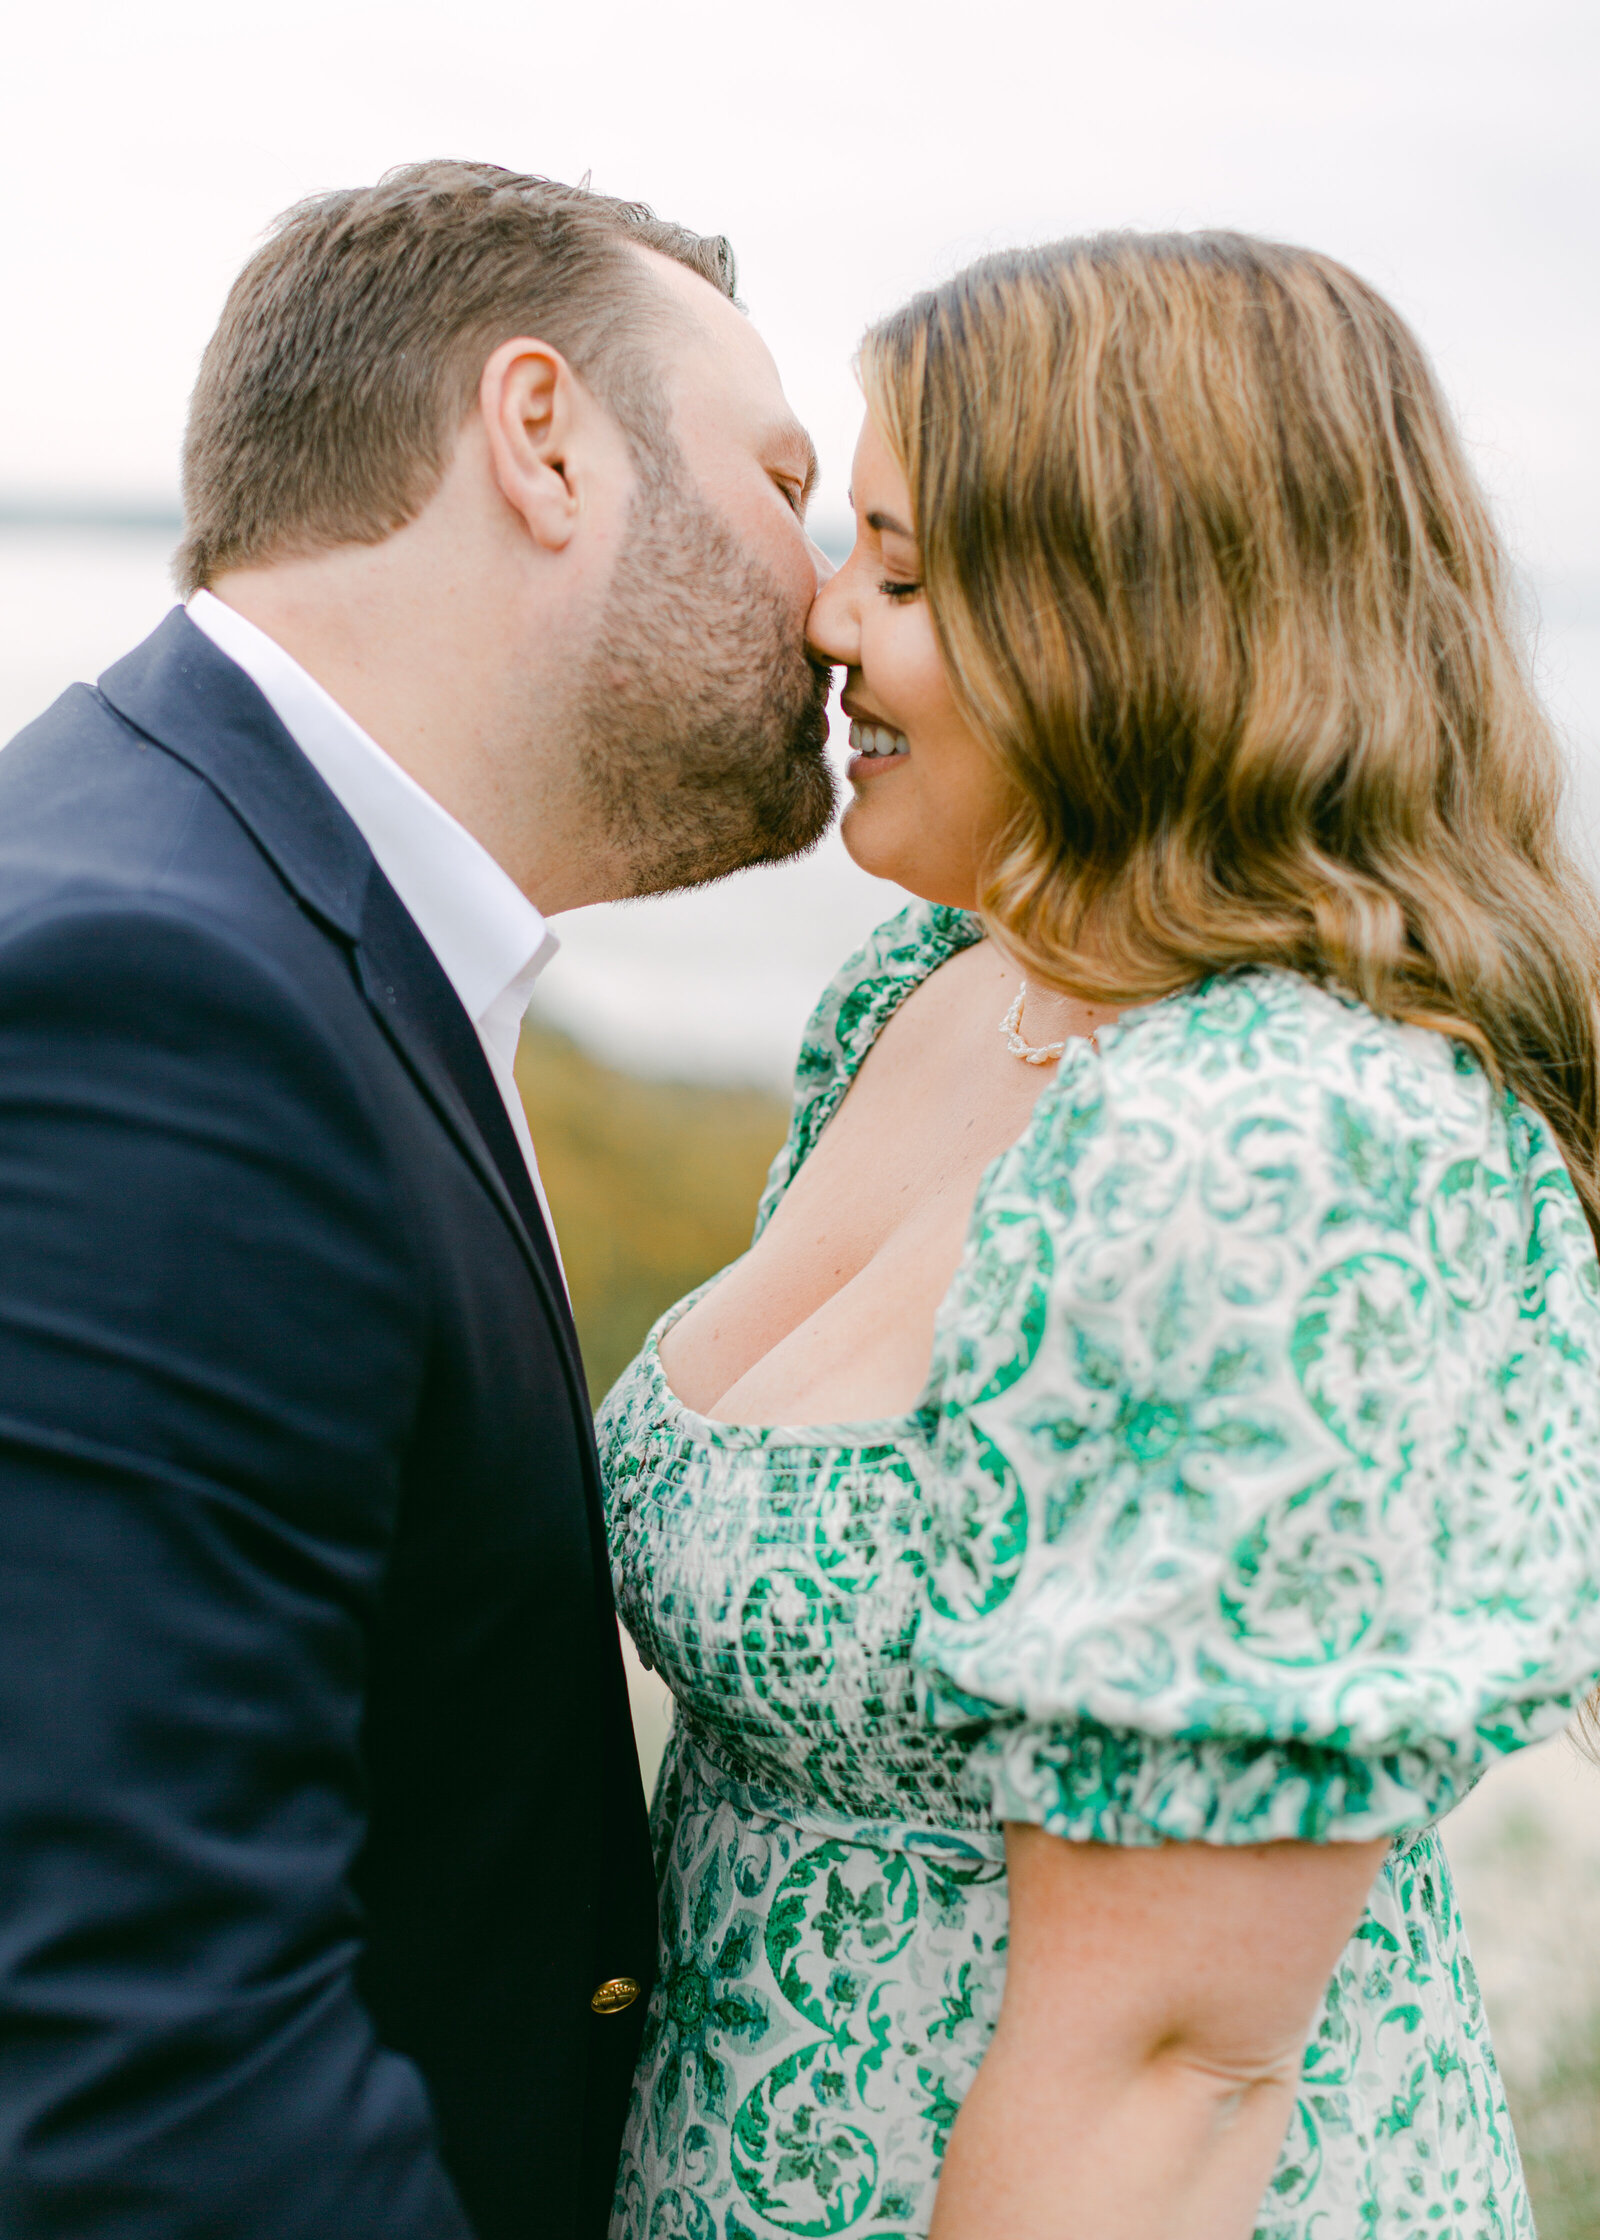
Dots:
(1449, 149)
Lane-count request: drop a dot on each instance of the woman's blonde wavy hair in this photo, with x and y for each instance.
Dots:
(1213, 578)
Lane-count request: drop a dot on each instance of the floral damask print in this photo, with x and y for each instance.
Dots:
(1253, 1495)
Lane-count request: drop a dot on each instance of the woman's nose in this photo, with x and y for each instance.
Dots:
(831, 633)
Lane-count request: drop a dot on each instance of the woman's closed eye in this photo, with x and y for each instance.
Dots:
(898, 591)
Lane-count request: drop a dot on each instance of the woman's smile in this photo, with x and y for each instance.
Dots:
(875, 746)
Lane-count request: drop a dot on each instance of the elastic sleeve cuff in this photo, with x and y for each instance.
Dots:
(1095, 1784)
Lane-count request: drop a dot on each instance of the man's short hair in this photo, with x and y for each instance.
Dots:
(351, 345)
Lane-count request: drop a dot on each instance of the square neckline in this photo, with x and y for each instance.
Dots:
(854, 1434)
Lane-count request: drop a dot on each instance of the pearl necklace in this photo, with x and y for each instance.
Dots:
(1031, 1053)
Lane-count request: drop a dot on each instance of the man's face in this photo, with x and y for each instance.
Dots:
(703, 721)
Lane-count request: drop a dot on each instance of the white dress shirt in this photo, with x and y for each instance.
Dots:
(490, 941)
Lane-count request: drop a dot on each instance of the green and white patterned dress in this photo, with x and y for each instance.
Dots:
(1254, 1494)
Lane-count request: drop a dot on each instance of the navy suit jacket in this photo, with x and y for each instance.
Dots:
(320, 1819)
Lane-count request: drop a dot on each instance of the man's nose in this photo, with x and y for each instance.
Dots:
(821, 564)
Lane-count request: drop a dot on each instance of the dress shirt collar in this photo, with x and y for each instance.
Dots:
(490, 941)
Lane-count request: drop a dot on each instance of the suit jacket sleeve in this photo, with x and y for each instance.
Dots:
(211, 1340)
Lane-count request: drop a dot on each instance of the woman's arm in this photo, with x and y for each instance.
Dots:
(1144, 2069)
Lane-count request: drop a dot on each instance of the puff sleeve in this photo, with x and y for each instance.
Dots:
(1266, 1475)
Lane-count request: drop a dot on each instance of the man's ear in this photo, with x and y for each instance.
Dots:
(527, 397)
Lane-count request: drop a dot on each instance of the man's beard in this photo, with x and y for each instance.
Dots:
(701, 723)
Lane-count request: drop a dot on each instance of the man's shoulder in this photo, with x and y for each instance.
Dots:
(133, 897)
(91, 808)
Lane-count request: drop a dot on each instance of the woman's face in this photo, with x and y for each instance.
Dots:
(928, 798)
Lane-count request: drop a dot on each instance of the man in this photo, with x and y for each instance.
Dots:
(326, 1910)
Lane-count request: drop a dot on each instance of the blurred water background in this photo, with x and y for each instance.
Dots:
(655, 1072)
(711, 987)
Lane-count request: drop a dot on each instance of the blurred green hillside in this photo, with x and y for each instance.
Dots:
(653, 1185)
(1555, 2114)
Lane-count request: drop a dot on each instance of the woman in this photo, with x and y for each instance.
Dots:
(1116, 1508)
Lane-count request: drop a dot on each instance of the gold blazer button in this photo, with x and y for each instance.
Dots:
(615, 1994)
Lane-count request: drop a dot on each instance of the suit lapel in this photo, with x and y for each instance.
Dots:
(419, 1011)
(183, 692)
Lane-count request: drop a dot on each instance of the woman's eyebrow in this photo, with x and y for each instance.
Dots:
(886, 525)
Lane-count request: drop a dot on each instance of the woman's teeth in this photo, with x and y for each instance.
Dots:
(876, 738)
